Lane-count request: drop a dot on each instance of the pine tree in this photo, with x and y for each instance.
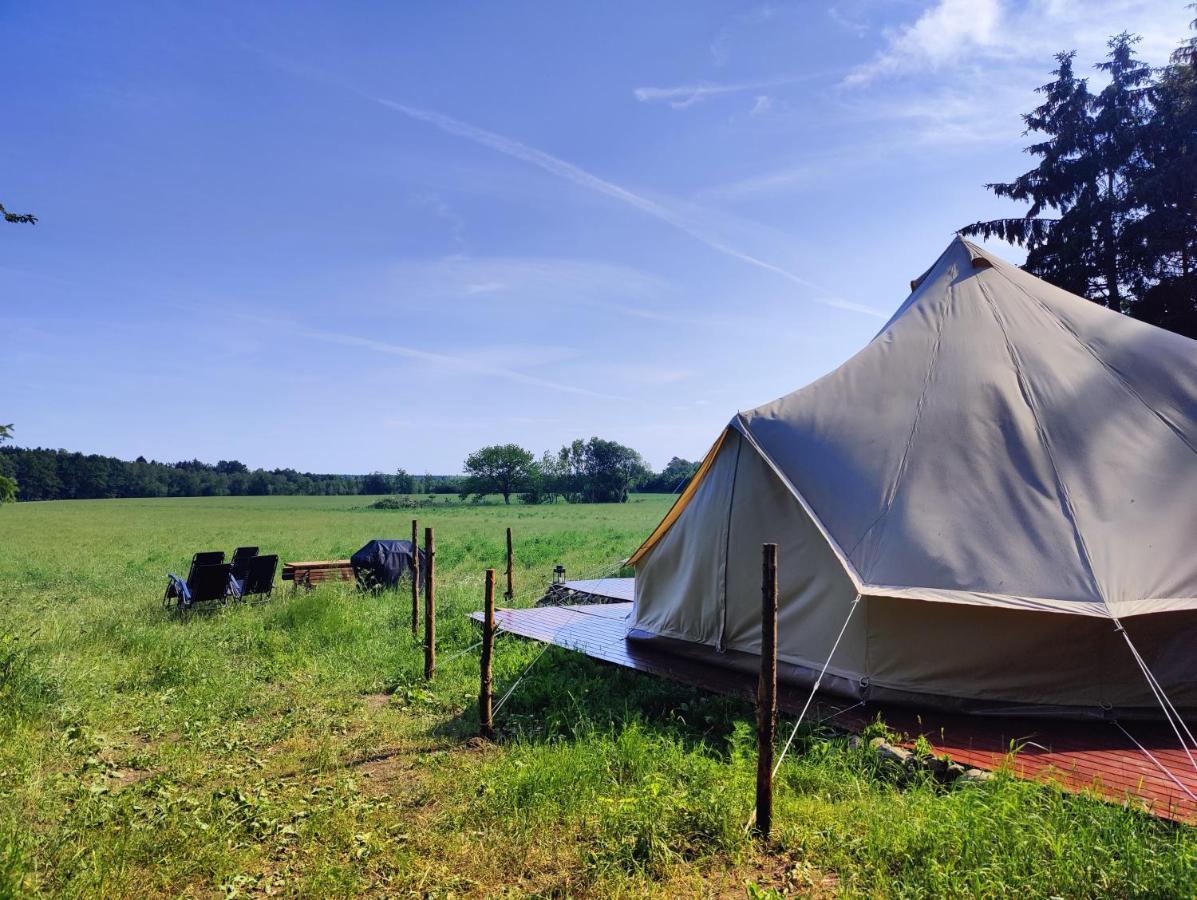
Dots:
(1056, 228)
(1121, 116)
(1091, 157)
(1165, 238)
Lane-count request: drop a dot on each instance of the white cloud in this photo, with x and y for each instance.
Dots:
(698, 227)
(947, 32)
(986, 58)
(975, 34)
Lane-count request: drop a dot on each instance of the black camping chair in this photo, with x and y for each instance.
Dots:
(205, 558)
(206, 584)
(259, 578)
(179, 590)
(241, 558)
(211, 583)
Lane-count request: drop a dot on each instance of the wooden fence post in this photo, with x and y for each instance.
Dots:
(766, 692)
(486, 725)
(510, 595)
(415, 578)
(429, 604)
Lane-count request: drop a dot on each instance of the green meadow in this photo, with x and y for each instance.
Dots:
(293, 748)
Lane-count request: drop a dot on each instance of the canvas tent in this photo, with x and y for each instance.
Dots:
(1006, 477)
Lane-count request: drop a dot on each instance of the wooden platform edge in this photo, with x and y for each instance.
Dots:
(1112, 770)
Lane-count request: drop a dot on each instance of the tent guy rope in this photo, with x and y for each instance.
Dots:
(815, 687)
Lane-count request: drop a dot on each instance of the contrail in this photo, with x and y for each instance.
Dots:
(582, 178)
(459, 363)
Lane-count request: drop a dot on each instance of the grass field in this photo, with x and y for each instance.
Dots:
(293, 748)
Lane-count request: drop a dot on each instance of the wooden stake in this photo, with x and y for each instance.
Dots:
(486, 696)
(429, 604)
(415, 578)
(510, 595)
(766, 692)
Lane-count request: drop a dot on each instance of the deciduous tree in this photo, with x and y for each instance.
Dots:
(500, 469)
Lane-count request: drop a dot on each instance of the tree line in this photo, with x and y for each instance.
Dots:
(584, 471)
(43, 474)
(596, 470)
(1113, 194)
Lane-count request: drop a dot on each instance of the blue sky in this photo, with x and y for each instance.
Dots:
(354, 237)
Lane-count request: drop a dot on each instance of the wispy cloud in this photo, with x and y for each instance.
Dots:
(468, 365)
(582, 178)
(762, 105)
(847, 21)
(531, 279)
(686, 95)
(478, 363)
(818, 170)
(443, 211)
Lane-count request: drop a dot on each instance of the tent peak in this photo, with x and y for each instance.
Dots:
(979, 258)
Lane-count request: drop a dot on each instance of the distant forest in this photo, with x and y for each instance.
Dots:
(61, 475)
(43, 474)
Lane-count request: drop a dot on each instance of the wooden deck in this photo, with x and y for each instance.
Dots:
(1079, 756)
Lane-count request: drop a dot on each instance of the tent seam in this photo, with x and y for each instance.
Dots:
(1065, 497)
(731, 505)
(892, 493)
(858, 583)
(742, 427)
(1110, 370)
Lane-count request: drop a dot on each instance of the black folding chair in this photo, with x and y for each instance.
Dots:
(211, 583)
(259, 578)
(241, 558)
(205, 558)
(179, 590)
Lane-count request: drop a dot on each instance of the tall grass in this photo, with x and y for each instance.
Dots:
(294, 748)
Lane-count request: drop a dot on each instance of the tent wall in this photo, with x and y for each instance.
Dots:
(1040, 659)
(814, 592)
(680, 580)
(701, 583)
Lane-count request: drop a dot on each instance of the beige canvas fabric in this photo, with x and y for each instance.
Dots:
(1001, 446)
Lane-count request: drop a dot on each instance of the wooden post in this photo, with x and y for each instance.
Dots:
(429, 604)
(510, 595)
(486, 724)
(766, 692)
(415, 578)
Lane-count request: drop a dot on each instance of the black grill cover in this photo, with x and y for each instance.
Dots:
(380, 564)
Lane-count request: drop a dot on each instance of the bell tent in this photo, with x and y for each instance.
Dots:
(992, 507)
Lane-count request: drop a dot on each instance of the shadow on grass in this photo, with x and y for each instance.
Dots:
(565, 696)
